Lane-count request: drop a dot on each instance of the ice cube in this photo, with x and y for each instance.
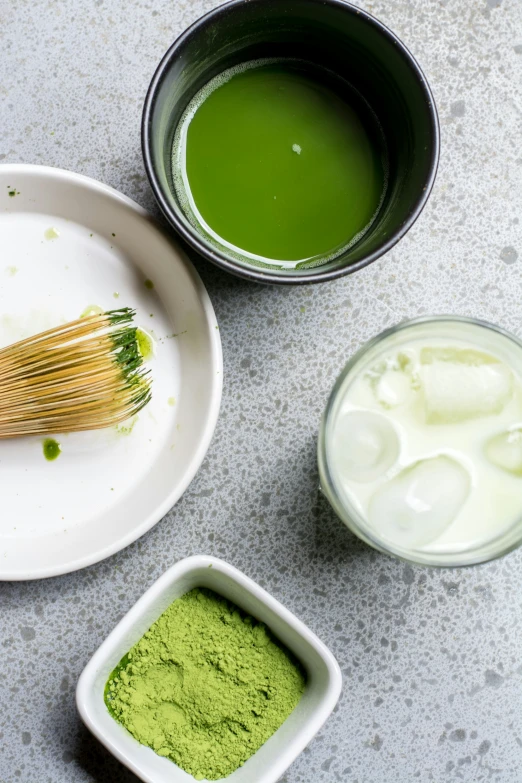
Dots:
(462, 384)
(393, 389)
(394, 381)
(365, 444)
(416, 506)
(505, 451)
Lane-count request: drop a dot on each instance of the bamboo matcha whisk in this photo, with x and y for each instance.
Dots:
(83, 375)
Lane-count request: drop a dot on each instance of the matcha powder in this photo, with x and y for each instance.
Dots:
(206, 686)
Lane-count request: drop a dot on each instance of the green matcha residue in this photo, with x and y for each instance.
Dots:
(145, 344)
(149, 284)
(126, 429)
(91, 310)
(51, 233)
(51, 449)
(206, 686)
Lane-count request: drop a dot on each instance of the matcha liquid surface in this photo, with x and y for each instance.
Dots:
(280, 163)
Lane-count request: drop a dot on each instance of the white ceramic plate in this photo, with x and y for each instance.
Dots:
(107, 487)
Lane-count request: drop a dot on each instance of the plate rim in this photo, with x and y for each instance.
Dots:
(216, 358)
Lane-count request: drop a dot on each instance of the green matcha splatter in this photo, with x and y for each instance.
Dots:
(145, 344)
(171, 401)
(51, 233)
(51, 449)
(91, 310)
(116, 295)
(206, 686)
(149, 284)
(11, 270)
(126, 429)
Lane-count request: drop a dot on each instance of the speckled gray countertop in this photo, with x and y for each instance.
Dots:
(431, 660)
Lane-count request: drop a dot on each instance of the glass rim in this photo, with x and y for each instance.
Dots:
(347, 511)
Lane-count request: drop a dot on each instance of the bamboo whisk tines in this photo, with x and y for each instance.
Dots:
(84, 375)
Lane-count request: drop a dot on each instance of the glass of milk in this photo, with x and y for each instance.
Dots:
(420, 446)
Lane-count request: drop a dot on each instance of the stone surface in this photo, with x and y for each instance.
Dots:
(431, 659)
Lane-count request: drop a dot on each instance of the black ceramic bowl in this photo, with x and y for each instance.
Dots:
(330, 33)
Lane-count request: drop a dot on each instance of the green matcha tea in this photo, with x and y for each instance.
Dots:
(280, 163)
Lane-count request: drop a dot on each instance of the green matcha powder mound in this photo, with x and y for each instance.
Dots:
(206, 686)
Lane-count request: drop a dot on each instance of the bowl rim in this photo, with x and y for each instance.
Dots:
(219, 258)
(184, 567)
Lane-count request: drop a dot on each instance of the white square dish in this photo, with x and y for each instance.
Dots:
(275, 756)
